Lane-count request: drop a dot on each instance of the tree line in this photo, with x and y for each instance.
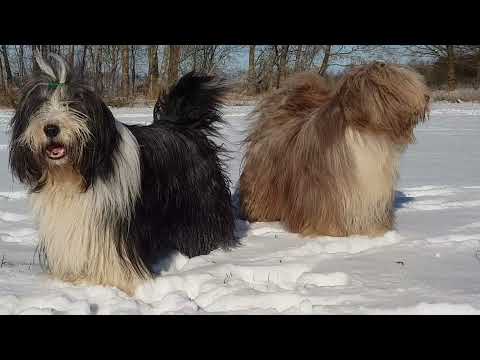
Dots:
(131, 71)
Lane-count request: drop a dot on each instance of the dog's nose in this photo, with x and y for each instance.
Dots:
(51, 130)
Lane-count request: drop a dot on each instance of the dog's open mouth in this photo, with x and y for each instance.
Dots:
(55, 151)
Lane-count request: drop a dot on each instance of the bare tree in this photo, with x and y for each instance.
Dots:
(264, 66)
(133, 63)
(307, 55)
(325, 60)
(71, 56)
(2, 78)
(99, 70)
(252, 75)
(195, 57)
(121, 70)
(153, 74)
(164, 64)
(111, 62)
(275, 62)
(283, 61)
(476, 56)
(125, 71)
(298, 58)
(173, 64)
(6, 64)
(207, 58)
(35, 67)
(451, 77)
(210, 57)
(436, 53)
(44, 50)
(84, 60)
(21, 62)
(96, 55)
(280, 60)
(471, 53)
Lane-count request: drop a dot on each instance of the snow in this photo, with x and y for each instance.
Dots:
(430, 264)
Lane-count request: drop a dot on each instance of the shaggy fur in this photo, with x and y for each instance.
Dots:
(109, 198)
(325, 162)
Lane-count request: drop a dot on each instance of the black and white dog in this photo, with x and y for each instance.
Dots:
(109, 197)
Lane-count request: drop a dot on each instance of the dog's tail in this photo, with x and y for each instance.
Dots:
(194, 102)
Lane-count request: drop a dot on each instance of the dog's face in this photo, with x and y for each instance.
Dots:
(57, 131)
(60, 125)
(385, 98)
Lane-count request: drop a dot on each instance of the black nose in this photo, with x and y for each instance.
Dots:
(51, 130)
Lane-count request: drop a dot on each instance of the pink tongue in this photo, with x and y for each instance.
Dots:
(57, 152)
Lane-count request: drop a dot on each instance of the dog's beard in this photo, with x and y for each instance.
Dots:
(66, 149)
(56, 162)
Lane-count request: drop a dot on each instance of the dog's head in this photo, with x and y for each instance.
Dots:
(60, 122)
(385, 98)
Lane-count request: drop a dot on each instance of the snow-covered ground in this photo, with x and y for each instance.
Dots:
(429, 265)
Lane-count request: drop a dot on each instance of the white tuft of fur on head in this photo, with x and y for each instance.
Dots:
(62, 71)
(47, 69)
(59, 76)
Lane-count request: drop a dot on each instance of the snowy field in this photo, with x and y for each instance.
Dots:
(429, 265)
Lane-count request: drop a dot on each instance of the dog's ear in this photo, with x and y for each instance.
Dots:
(97, 159)
(24, 165)
(23, 162)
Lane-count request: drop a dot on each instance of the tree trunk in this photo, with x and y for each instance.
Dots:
(271, 61)
(153, 71)
(173, 64)
(94, 59)
(113, 70)
(195, 57)
(71, 57)
(21, 63)
(298, 58)
(6, 64)
(164, 64)
(203, 57)
(125, 71)
(2, 78)
(133, 63)
(211, 58)
(98, 70)
(44, 51)
(326, 59)
(83, 63)
(451, 76)
(284, 61)
(276, 62)
(281, 61)
(252, 75)
(35, 67)
(477, 80)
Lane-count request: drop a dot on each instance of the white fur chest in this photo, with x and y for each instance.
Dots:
(68, 226)
(376, 161)
(77, 228)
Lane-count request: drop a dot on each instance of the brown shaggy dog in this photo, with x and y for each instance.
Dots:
(325, 162)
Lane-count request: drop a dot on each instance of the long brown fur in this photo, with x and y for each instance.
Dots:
(325, 161)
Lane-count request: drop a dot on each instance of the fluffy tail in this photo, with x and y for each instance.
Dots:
(194, 102)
